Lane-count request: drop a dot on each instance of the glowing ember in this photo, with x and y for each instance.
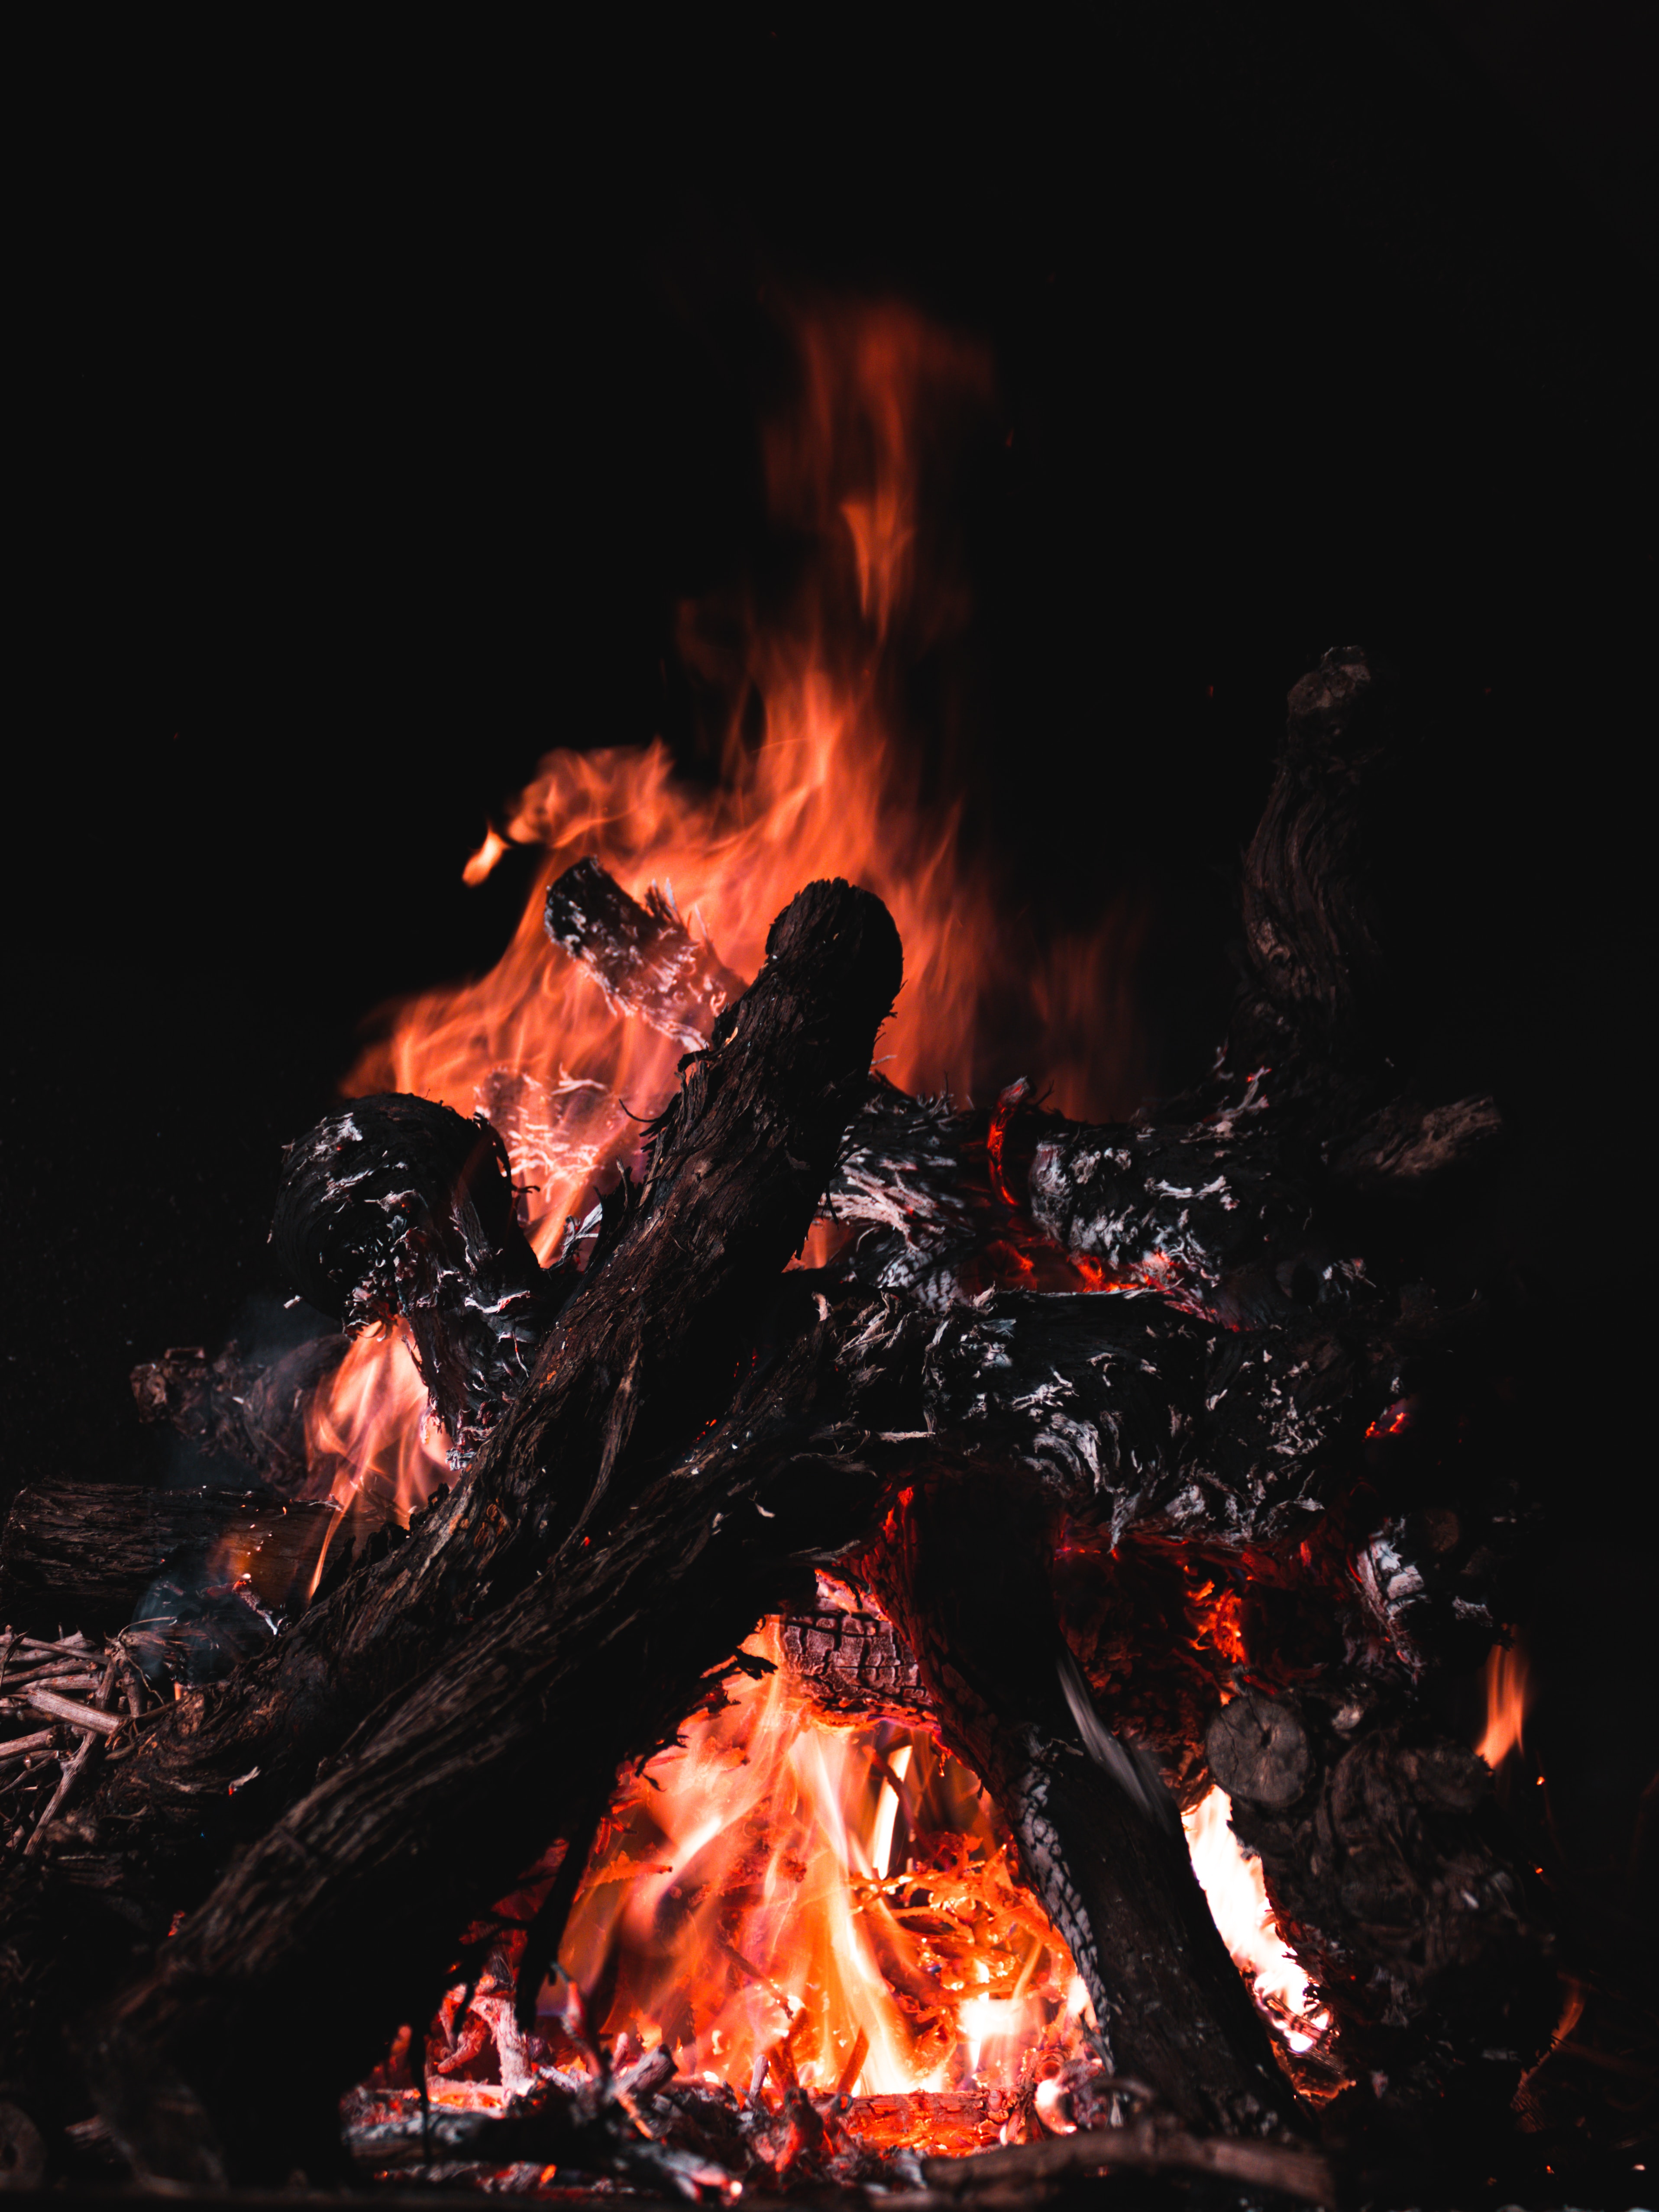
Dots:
(835, 1900)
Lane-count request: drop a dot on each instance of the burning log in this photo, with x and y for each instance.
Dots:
(88, 1552)
(643, 957)
(529, 1713)
(400, 1209)
(961, 1570)
(1375, 1836)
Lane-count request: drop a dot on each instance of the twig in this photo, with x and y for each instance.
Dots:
(85, 1718)
(1145, 2148)
(42, 1739)
(97, 1724)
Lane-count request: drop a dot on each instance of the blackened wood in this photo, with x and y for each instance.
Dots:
(643, 957)
(963, 1572)
(855, 1663)
(85, 1553)
(1405, 1143)
(1320, 991)
(248, 1413)
(1259, 1749)
(1142, 2148)
(210, 2067)
(1387, 1866)
(398, 1208)
(1217, 1217)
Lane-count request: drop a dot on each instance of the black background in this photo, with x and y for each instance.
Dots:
(384, 404)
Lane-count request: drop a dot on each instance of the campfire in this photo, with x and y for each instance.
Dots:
(794, 1620)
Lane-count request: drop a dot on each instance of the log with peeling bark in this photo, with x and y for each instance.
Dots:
(643, 957)
(88, 1552)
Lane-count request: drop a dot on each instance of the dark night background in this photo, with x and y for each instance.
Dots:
(384, 403)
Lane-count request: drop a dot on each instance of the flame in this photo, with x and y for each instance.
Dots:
(832, 1902)
(479, 866)
(1509, 1695)
(1237, 1896)
(833, 786)
(370, 1433)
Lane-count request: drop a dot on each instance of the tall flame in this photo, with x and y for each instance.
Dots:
(832, 787)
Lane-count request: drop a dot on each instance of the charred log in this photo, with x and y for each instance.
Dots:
(1404, 1144)
(644, 958)
(856, 1663)
(1321, 991)
(589, 1665)
(89, 1551)
(1099, 1838)
(249, 1414)
(400, 1209)
(1386, 1863)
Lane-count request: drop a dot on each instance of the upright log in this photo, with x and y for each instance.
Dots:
(963, 1570)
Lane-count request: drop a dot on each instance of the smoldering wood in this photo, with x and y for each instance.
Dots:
(88, 1551)
(249, 1413)
(644, 2128)
(644, 958)
(854, 1663)
(1387, 1867)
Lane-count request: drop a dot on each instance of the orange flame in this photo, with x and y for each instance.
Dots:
(783, 1891)
(494, 845)
(1509, 1695)
(832, 787)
